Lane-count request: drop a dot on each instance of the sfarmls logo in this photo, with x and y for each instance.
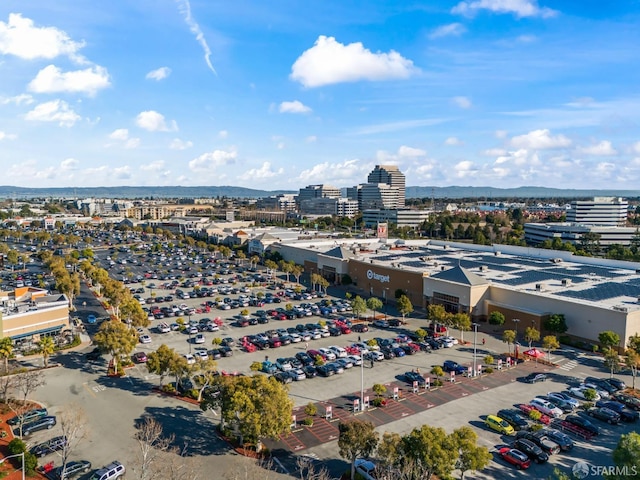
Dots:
(583, 469)
(371, 275)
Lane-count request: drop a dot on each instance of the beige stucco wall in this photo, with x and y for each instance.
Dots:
(27, 322)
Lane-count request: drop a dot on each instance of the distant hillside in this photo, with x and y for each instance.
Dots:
(136, 192)
(519, 192)
(452, 192)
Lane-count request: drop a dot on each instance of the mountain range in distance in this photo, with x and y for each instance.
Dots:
(450, 192)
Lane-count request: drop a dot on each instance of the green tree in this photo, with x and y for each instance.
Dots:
(612, 360)
(471, 456)
(531, 334)
(609, 339)
(634, 343)
(627, 455)
(632, 360)
(358, 306)
(430, 450)
(374, 304)
(404, 305)
(590, 394)
(255, 407)
(549, 343)
(160, 361)
(437, 371)
(556, 323)
(509, 337)
(117, 339)
(496, 318)
(357, 439)
(379, 389)
(6, 351)
(46, 347)
(462, 322)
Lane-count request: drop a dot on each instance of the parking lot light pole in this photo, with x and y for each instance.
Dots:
(189, 327)
(361, 380)
(475, 338)
(516, 321)
(21, 455)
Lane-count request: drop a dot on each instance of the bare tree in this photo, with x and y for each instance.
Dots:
(308, 470)
(152, 444)
(177, 465)
(25, 384)
(249, 469)
(7, 385)
(73, 423)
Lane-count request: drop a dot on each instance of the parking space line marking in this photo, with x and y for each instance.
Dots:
(86, 387)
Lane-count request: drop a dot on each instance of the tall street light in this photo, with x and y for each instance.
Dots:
(21, 455)
(189, 330)
(516, 321)
(475, 338)
(515, 350)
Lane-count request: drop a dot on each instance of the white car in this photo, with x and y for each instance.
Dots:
(355, 359)
(328, 354)
(339, 351)
(190, 359)
(163, 328)
(145, 339)
(545, 407)
(563, 397)
(199, 338)
(201, 355)
(599, 391)
(578, 392)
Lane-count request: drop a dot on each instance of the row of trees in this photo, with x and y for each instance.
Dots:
(460, 321)
(424, 452)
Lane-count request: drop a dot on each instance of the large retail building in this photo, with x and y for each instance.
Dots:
(527, 285)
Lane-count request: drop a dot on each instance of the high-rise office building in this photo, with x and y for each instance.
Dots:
(609, 211)
(392, 176)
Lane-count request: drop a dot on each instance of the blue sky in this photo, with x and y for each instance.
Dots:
(283, 94)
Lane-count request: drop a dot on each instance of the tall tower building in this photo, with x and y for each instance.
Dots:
(392, 176)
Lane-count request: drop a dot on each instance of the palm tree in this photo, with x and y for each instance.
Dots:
(46, 346)
(6, 351)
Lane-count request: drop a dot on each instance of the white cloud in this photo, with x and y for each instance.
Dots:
(465, 169)
(311, 139)
(69, 164)
(53, 111)
(520, 8)
(540, 140)
(405, 151)
(526, 38)
(636, 147)
(494, 152)
(396, 126)
(19, 37)
(157, 166)
(451, 29)
(453, 142)
(602, 149)
(265, 171)
(223, 134)
(185, 8)
(329, 62)
(177, 144)
(52, 80)
(153, 121)
(7, 136)
(132, 143)
(22, 99)
(209, 160)
(280, 145)
(346, 172)
(119, 134)
(158, 74)
(501, 133)
(293, 107)
(462, 102)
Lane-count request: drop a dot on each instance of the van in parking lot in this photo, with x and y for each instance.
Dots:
(110, 472)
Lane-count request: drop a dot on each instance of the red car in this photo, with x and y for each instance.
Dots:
(314, 354)
(345, 330)
(140, 357)
(515, 457)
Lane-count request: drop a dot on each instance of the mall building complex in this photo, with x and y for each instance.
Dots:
(527, 285)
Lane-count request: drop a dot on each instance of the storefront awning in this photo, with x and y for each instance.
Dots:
(37, 332)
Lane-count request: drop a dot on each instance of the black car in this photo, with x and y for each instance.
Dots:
(531, 450)
(626, 414)
(545, 443)
(27, 416)
(415, 377)
(425, 346)
(283, 377)
(604, 415)
(617, 383)
(52, 445)
(602, 384)
(325, 370)
(304, 358)
(514, 418)
(41, 423)
(226, 351)
(583, 423)
(335, 332)
(630, 402)
(534, 377)
(561, 438)
(310, 371)
(72, 469)
(388, 353)
(408, 350)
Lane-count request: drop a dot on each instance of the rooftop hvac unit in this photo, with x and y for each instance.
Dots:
(483, 268)
(566, 282)
(538, 287)
(638, 271)
(497, 253)
(638, 299)
(620, 308)
(442, 268)
(446, 247)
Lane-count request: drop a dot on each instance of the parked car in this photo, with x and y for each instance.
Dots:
(310, 371)
(499, 425)
(531, 450)
(414, 376)
(579, 392)
(604, 414)
(563, 405)
(366, 469)
(27, 416)
(140, 357)
(360, 328)
(534, 377)
(381, 324)
(630, 401)
(145, 339)
(545, 407)
(110, 472)
(451, 366)
(71, 470)
(545, 443)
(626, 414)
(565, 397)
(515, 457)
(42, 423)
(52, 445)
(583, 423)
(325, 370)
(617, 383)
(514, 418)
(562, 439)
